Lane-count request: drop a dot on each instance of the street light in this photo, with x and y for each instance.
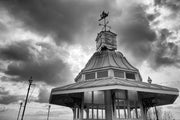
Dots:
(30, 83)
(20, 103)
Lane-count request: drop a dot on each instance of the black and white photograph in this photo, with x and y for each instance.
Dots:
(89, 59)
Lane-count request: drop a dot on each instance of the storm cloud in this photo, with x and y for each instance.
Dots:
(7, 98)
(172, 5)
(135, 32)
(45, 65)
(38, 38)
(164, 53)
(143, 42)
(64, 20)
(60, 19)
(3, 91)
(18, 51)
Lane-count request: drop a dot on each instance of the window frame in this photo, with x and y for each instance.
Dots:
(94, 110)
(90, 73)
(115, 71)
(132, 73)
(101, 71)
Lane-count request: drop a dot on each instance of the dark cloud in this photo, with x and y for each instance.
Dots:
(45, 65)
(3, 28)
(135, 32)
(153, 16)
(5, 78)
(157, 2)
(164, 53)
(164, 33)
(167, 54)
(62, 19)
(7, 99)
(144, 43)
(49, 71)
(173, 5)
(3, 91)
(19, 51)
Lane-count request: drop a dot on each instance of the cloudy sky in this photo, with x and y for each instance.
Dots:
(52, 40)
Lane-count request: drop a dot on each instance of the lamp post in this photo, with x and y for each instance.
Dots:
(19, 109)
(30, 83)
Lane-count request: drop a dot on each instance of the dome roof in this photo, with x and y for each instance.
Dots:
(105, 59)
(108, 58)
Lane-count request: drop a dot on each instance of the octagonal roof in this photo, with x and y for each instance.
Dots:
(108, 58)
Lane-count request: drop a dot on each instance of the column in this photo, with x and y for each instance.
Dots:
(128, 108)
(81, 109)
(108, 105)
(142, 108)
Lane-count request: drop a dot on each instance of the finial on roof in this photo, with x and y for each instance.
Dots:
(149, 80)
(103, 16)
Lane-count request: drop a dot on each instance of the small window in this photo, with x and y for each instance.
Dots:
(90, 76)
(102, 74)
(118, 73)
(130, 76)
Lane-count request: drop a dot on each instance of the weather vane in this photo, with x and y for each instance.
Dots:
(103, 17)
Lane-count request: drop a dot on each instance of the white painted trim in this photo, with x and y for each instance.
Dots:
(116, 87)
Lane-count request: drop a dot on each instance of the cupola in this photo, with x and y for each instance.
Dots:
(106, 40)
(107, 62)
